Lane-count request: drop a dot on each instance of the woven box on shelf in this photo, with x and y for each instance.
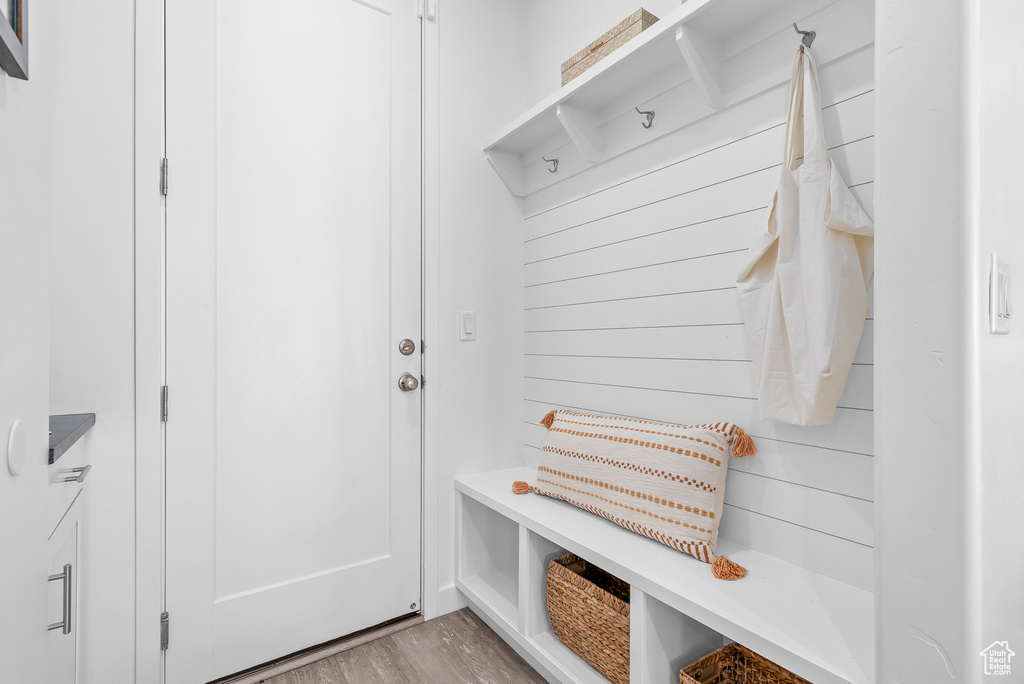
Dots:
(589, 612)
(736, 664)
(619, 35)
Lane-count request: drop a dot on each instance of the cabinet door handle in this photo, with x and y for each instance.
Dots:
(81, 474)
(65, 624)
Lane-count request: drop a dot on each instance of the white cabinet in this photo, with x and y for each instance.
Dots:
(62, 596)
(68, 471)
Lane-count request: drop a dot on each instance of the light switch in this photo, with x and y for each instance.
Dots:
(467, 326)
(1000, 306)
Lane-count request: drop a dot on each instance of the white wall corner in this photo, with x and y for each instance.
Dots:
(925, 225)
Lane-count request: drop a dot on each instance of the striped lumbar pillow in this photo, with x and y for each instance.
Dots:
(666, 482)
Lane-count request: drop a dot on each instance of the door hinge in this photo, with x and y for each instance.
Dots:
(165, 630)
(427, 9)
(423, 382)
(163, 404)
(163, 176)
(423, 346)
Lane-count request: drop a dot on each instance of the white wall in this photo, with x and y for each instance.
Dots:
(924, 345)
(478, 267)
(558, 29)
(950, 482)
(24, 332)
(92, 346)
(631, 309)
(1000, 358)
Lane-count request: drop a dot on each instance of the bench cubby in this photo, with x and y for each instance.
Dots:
(811, 624)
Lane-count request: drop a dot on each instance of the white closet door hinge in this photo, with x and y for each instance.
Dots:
(163, 176)
(427, 9)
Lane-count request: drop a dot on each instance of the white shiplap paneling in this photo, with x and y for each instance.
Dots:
(630, 309)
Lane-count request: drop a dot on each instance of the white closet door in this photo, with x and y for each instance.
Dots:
(293, 273)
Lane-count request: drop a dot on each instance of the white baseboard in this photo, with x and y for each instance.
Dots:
(449, 600)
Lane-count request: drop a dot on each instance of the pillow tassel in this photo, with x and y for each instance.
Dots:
(548, 420)
(725, 569)
(520, 487)
(743, 444)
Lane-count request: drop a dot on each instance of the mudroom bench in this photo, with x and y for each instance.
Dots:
(817, 627)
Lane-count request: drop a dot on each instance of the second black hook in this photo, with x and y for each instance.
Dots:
(648, 114)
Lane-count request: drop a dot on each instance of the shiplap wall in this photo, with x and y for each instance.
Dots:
(630, 309)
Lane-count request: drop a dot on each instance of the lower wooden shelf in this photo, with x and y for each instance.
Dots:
(497, 588)
(818, 627)
(549, 656)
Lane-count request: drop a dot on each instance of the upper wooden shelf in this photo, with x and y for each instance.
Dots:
(702, 57)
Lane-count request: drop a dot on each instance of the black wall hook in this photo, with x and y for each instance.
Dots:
(553, 162)
(808, 36)
(650, 117)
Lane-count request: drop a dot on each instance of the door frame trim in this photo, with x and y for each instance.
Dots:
(149, 317)
(430, 140)
(438, 599)
(149, 335)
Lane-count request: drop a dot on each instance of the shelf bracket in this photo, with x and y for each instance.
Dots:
(509, 167)
(583, 130)
(703, 54)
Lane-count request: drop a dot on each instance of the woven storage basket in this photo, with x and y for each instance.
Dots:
(589, 612)
(736, 664)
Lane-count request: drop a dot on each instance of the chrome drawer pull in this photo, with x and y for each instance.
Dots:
(65, 623)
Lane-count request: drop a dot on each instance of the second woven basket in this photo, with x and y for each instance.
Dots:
(736, 664)
(589, 611)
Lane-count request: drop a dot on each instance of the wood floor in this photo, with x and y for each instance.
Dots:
(451, 649)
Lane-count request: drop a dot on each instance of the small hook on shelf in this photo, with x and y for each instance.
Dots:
(808, 36)
(553, 162)
(648, 114)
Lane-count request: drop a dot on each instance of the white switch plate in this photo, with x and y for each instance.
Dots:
(1000, 305)
(467, 326)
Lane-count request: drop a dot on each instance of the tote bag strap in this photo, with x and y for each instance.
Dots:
(805, 133)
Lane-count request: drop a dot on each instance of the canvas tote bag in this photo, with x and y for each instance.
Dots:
(803, 285)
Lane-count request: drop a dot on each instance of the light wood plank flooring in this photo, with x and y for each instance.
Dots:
(451, 649)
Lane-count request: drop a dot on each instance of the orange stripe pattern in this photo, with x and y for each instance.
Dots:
(615, 503)
(631, 492)
(663, 481)
(637, 442)
(650, 432)
(635, 467)
(698, 550)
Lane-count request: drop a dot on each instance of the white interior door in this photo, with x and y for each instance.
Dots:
(293, 273)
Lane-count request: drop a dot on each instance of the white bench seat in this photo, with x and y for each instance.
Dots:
(816, 626)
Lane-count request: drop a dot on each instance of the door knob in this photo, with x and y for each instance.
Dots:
(407, 383)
